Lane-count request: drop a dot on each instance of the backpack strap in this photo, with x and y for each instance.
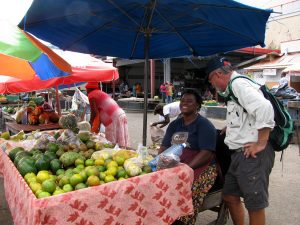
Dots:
(231, 96)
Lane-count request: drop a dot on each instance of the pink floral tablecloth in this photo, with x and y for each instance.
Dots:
(152, 199)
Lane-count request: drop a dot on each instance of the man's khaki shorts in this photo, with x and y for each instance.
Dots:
(249, 178)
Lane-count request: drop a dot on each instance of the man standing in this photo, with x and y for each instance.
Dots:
(166, 112)
(105, 110)
(249, 123)
(283, 82)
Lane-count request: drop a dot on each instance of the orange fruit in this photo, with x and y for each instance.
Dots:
(112, 164)
(109, 178)
(42, 176)
(120, 160)
(112, 171)
(93, 180)
(49, 186)
(99, 162)
(67, 188)
(43, 194)
(92, 170)
(76, 179)
(89, 162)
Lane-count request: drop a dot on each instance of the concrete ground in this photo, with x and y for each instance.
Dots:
(284, 181)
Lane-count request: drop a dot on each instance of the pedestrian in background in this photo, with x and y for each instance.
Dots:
(166, 112)
(249, 123)
(163, 90)
(169, 92)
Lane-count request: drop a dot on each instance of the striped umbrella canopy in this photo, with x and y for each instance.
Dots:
(23, 56)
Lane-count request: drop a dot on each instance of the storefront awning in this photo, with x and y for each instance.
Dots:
(281, 62)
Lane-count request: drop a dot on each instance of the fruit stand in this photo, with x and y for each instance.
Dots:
(15, 128)
(73, 176)
(155, 198)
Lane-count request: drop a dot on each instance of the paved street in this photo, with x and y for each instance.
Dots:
(284, 184)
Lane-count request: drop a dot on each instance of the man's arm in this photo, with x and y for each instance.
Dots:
(164, 123)
(250, 149)
(94, 110)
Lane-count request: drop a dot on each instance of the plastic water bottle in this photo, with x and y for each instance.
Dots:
(173, 150)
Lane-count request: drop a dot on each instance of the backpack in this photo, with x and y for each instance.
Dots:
(282, 133)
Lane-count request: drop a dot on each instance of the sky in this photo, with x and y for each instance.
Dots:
(14, 10)
(255, 3)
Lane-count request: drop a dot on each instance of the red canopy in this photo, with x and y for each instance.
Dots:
(84, 69)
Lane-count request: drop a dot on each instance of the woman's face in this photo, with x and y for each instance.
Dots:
(188, 104)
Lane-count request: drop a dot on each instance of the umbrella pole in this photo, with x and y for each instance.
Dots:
(146, 75)
(57, 101)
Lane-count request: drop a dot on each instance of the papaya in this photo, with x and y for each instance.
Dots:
(44, 118)
(13, 152)
(33, 119)
(38, 111)
(53, 117)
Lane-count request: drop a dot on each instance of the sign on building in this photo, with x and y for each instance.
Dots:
(269, 72)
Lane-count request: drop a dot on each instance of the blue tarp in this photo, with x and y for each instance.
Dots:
(177, 27)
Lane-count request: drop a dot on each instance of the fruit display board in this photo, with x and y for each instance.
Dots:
(155, 198)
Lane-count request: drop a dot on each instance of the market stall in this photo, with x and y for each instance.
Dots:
(144, 198)
(15, 128)
(85, 68)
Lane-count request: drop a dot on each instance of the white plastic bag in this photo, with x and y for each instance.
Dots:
(79, 99)
(157, 134)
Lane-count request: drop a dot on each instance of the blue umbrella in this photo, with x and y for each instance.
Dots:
(143, 29)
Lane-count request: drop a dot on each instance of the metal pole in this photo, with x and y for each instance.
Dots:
(152, 77)
(57, 101)
(146, 75)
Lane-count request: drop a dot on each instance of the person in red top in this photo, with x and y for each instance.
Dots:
(163, 91)
(105, 110)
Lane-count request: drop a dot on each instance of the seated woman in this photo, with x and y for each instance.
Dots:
(201, 151)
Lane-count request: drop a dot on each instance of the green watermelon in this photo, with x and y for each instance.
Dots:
(35, 151)
(42, 163)
(13, 152)
(25, 168)
(20, 155)
(37, 155)
(51, 155)
(27, 159)
(52, 147)
(55, 165)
